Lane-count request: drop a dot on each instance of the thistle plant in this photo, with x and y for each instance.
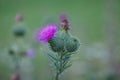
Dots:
(61, 43)
(18, 50)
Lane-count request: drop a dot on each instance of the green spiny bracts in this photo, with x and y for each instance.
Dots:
(57, 44)
(72, 45)
(19, 31)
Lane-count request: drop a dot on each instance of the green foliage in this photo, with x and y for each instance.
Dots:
(61, 61)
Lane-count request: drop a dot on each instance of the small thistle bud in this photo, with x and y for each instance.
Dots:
(19, 32)
(11, 52)
(57, 44)
(19, 29)
(72, 45)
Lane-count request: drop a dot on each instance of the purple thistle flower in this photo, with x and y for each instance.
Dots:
(47, 33)
(31, 53)
(64, 21)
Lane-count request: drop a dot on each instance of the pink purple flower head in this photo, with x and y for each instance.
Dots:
(31, 53)
(47, 33)
(64, 21)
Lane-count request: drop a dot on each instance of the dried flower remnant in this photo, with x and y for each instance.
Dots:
(15, 76)
(19, 18)
(64, 21)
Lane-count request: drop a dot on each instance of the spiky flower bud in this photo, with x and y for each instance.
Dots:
(72, 45)
(19, 31)
(57, 44)
(19, 28)
(11, 52)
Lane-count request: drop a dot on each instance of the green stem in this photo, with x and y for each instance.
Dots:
(60, 64)
(59, 71)
(57, 76)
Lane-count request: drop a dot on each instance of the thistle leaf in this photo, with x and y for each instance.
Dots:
(65, 63)
(56, 65)
(67, 66)
(52, 57)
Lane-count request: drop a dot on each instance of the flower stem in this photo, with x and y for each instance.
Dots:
(59, 70)
(60, 64)
(57, 76)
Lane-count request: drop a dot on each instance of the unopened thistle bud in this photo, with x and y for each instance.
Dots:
(19, 29)
(57, 44)
(11, 52)
(72, 45)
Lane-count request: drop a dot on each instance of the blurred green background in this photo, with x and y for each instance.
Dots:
(88, 19)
